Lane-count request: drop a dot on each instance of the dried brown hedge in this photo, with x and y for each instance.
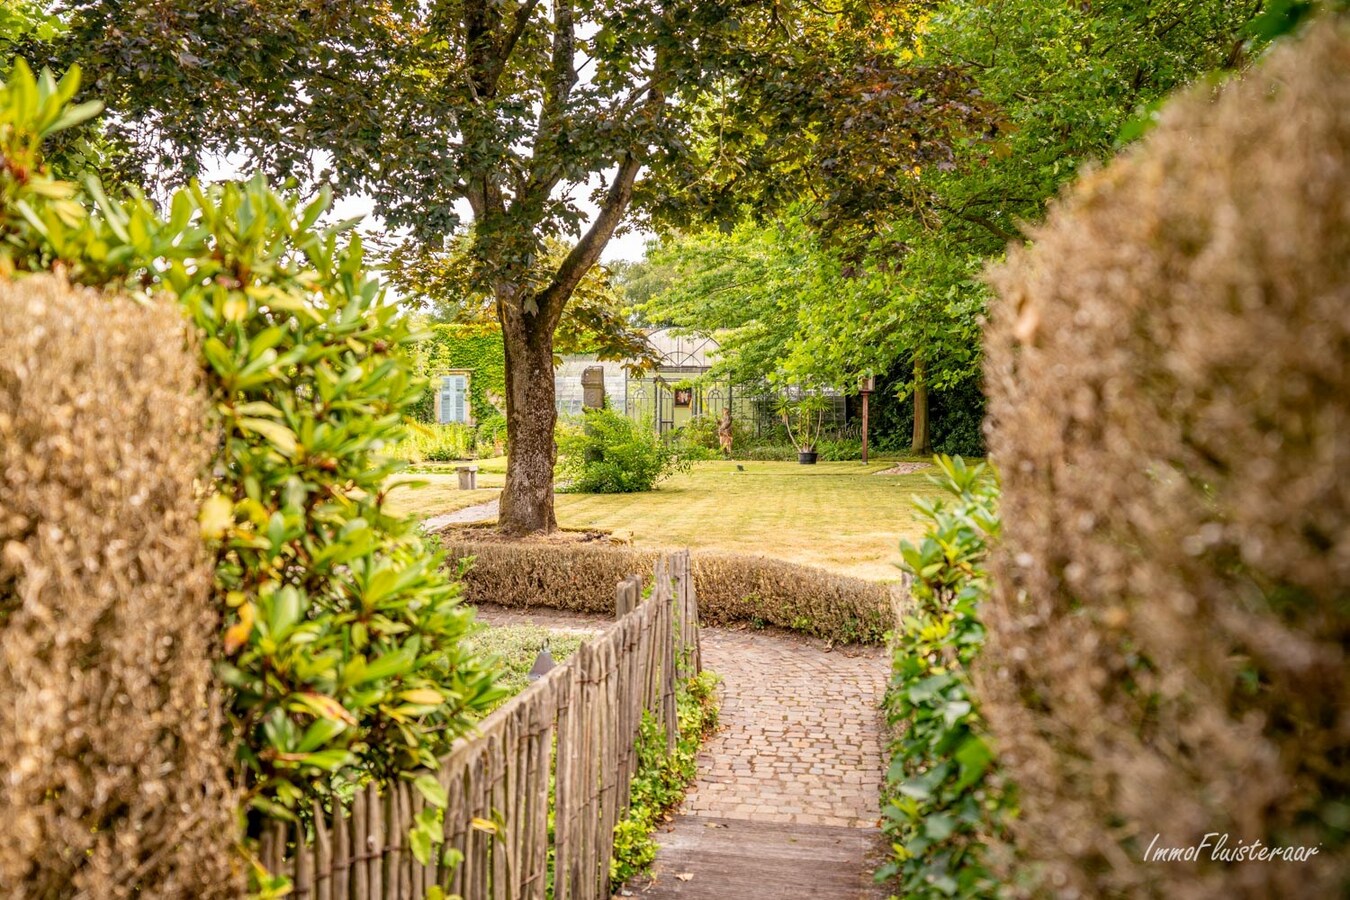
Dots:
(1169, 377)
(112, 773)
(732, 589)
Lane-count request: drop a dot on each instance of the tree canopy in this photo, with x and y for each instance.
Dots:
(900, 143)
(512, 112)
(911, 145)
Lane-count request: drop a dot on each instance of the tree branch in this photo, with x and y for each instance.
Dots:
(988, 225)
(562, 76)
(587, 251)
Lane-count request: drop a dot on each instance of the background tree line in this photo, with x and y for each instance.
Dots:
(874, 155)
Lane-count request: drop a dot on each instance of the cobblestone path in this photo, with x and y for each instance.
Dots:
(786, 800)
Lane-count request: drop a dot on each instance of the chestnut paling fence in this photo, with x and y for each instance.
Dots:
(567, 745)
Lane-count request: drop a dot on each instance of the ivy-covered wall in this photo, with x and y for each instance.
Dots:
(466, 348)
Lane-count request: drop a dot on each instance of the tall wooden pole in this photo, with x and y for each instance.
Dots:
(865, 387)
(866, 394)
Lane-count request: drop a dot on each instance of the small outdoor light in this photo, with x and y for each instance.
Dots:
(543, 663)
(866, 385)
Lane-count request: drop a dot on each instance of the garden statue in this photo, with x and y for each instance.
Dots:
(724, 432)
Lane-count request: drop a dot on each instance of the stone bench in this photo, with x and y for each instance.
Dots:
(468, 477)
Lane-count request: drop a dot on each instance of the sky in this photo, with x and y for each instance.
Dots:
(625, 245)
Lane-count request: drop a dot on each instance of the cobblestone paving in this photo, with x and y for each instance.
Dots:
(800, 747)
(801, 735)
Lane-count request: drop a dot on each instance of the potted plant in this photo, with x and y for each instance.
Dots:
(803, 414)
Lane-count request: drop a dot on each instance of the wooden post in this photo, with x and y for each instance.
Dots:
(323, 854)
(375, 840)
(866, 386)
(627, 595)
(304, 868)
(342, 867)
(864, 428)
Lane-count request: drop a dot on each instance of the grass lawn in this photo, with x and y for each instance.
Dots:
(838, 516)
(517, 646)
(434, 491)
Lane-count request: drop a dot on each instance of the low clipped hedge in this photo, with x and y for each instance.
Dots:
(732, 589)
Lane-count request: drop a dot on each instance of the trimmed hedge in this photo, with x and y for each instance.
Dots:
(1169, 397)
(116, 782)
(732, 589)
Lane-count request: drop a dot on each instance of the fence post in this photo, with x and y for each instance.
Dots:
(627, 595)
(689, 657)
(594, 706)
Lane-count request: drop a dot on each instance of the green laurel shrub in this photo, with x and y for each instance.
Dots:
(342, 633)
(945, 800)
(612, 454)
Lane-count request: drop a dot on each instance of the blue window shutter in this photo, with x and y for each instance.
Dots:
(447, 401)
(460, 386)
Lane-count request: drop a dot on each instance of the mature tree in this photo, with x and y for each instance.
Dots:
(916, 145)
(597, 319)
(509, 108)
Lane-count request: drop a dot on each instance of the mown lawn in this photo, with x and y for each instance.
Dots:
(838, 516)
(434, 491)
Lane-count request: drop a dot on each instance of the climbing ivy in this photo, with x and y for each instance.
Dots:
(475, 348)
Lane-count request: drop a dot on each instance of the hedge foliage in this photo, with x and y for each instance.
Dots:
(732, 589)
(342, 638)
(1169, 399)
(115, 779)
(946, 802)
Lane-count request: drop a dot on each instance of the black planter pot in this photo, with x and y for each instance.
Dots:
(806, 457)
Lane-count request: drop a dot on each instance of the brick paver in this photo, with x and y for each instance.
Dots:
(801, 736)
(799, 755)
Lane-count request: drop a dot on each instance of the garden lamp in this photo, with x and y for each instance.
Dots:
(543, 663)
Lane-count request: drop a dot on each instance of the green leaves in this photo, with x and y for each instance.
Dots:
(945, 798)
(429, 787)
(611, 454)
(341, 633)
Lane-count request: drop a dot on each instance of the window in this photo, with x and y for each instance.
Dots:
(452, 400)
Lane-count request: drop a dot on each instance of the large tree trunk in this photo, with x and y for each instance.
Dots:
(527, 500)
(920, 444)
(528, 321)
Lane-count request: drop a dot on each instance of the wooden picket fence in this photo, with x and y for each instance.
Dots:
(574, 730)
